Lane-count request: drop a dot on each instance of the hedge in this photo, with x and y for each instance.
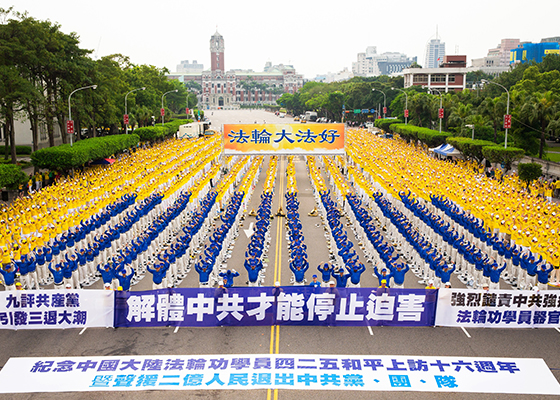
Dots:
(11, 176)
(385, 123)
(159, 132)
(23, 150)
(428, 136)
(499, 154)
(65, 157)
(469, 147)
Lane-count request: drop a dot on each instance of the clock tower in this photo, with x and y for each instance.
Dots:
(217, 52)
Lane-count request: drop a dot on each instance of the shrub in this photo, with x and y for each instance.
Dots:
(470, 148)
(65, 157)
(385, 123)
(505, 156)
(428, 136)
(23, 150)
(11, 176)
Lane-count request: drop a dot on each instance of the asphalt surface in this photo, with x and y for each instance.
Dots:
(516, 343)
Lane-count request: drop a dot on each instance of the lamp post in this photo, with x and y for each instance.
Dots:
(472, 127)
(125, 118)
(440, 111)
(70, 123)
(405, 106)
(162, 109)
(507, 117)
(384, 101)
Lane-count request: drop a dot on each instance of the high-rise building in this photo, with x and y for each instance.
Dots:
(372, 64)
(497, 59)
(435, 51)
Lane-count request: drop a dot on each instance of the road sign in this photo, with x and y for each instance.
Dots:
(440, 113)
(507, 121)
(406, 113)
(125, 119)
(162, 112)
(365, 111)
(70, 127)
(384, 110)
(372, 110)
(187, 110)
(357, 111)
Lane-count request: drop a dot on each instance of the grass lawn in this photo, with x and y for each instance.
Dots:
(553, 157)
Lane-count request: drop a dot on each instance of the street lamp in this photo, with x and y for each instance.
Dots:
(384, 101)
(507, 117)
(472, 127)
(70, 123)
(440, 111)
(162, 109)
(125, 119)
(406, 105)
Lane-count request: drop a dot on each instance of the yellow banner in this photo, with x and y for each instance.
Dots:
(279, 139)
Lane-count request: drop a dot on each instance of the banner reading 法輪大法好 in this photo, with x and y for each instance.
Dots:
(55, 309)
(278, 371)
(498, 309)
(283, 139)
(265, 306)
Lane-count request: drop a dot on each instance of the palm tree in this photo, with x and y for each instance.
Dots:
(541, 108)
(493, 109)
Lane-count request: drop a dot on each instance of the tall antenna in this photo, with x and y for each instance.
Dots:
(97, 50)
(456, 49)
(437, 32)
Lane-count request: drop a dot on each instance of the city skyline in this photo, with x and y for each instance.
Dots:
(315, 39)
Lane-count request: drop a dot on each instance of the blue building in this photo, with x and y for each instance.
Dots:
(533, 52)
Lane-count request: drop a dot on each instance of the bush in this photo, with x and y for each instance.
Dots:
(23, 150)
(65, 157)
(159, 132)
(505, 156)
(11, 176)
(428, 136)
(385, 123)
(470, 148)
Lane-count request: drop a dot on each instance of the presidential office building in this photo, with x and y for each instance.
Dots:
(229, 89)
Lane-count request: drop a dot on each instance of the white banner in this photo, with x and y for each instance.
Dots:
(278, 371)
(56, 309)
(498, 308)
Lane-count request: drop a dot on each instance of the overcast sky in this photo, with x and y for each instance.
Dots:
(315, 37)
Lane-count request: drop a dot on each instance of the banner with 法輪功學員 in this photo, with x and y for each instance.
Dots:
(117, 373)
(498, 308)
(283, 139)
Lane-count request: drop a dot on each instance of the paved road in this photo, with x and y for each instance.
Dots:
(286, 339)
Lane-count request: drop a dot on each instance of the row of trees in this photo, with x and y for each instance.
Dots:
(40, 66)
(534, 104)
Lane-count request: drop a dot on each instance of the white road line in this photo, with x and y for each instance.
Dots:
(466, 333)
(370, 331)
(176, 329)
(557, 329)
(83, 330)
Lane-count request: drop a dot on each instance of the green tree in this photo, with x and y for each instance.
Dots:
(541, 108)
(528, 172)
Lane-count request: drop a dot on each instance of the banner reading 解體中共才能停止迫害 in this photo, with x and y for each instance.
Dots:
(283, 139)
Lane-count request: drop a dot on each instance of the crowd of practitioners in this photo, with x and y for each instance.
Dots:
(165, 209)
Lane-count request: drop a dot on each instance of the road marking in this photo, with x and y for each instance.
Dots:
(557, 329)
(176, 329)
(370, 331)
(83, 330)
(466, 333)
(276, 275)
